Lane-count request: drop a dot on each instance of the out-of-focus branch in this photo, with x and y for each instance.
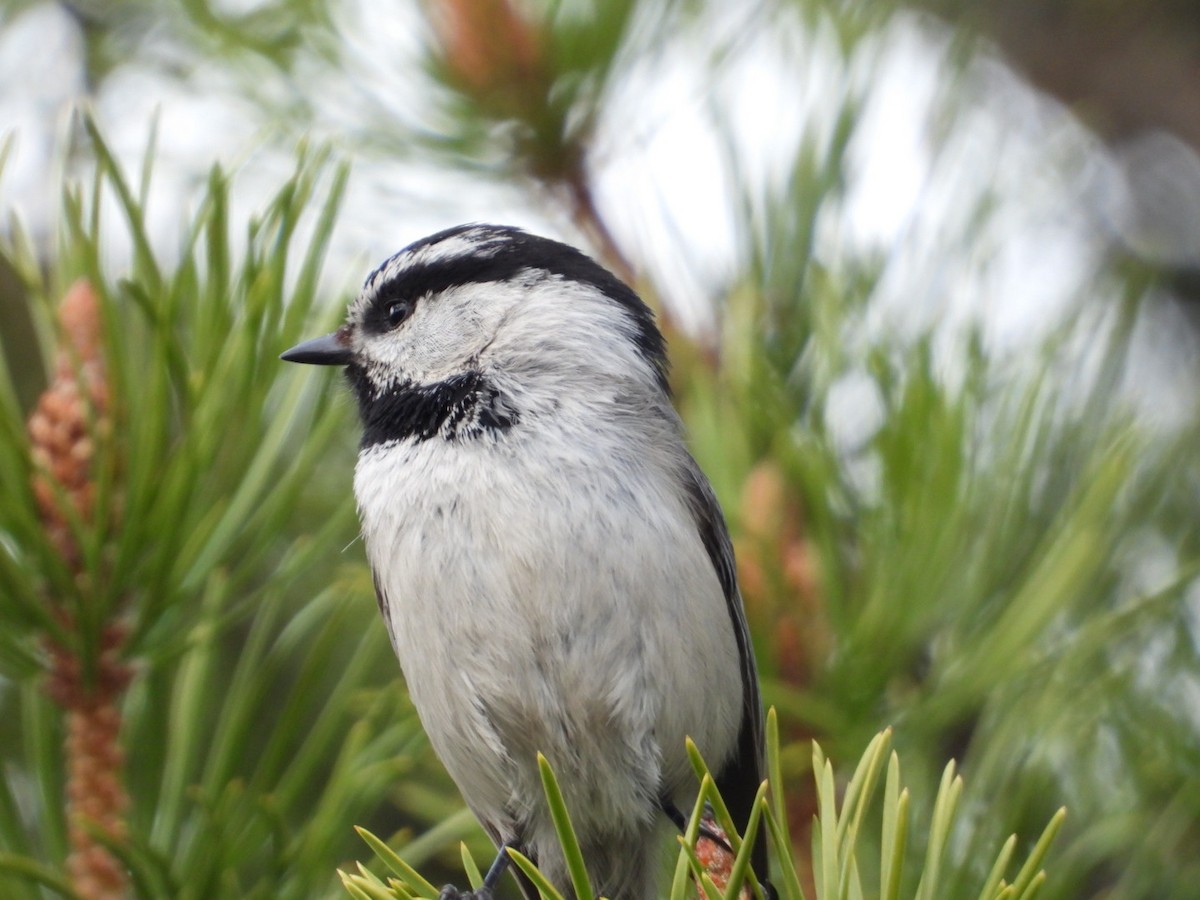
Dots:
(587, 217)
(496, 56)
(1125, 67)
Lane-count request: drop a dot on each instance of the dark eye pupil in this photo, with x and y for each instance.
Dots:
(397, 313)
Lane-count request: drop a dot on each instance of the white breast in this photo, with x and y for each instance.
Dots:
(558, 601)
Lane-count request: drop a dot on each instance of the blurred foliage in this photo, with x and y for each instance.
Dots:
(1000, 564)
(275, 33)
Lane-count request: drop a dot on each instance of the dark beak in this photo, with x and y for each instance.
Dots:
(328, 350)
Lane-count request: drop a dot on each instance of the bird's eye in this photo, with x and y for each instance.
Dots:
(397, 312)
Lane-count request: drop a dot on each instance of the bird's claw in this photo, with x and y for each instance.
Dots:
(450, 892)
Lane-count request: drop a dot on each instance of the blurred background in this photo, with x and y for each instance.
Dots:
(930, 274)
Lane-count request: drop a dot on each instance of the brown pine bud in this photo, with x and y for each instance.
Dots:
(71, 416)
(487, 45)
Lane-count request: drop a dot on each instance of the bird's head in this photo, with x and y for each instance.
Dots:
(484, 311)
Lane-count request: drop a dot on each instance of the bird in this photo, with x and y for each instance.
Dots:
(553, 568)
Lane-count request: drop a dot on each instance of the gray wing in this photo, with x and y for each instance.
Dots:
(741, 776)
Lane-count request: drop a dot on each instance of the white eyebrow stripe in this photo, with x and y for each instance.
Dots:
(470, 243)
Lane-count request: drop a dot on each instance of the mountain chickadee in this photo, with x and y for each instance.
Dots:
(552, 565)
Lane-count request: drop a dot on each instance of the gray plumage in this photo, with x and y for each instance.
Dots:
(551, 564)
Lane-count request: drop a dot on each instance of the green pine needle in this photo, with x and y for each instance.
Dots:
(566, 831)
(526, 865)
(474, 876)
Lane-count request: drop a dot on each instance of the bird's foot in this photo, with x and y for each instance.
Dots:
(484, 891)
(450, 892)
